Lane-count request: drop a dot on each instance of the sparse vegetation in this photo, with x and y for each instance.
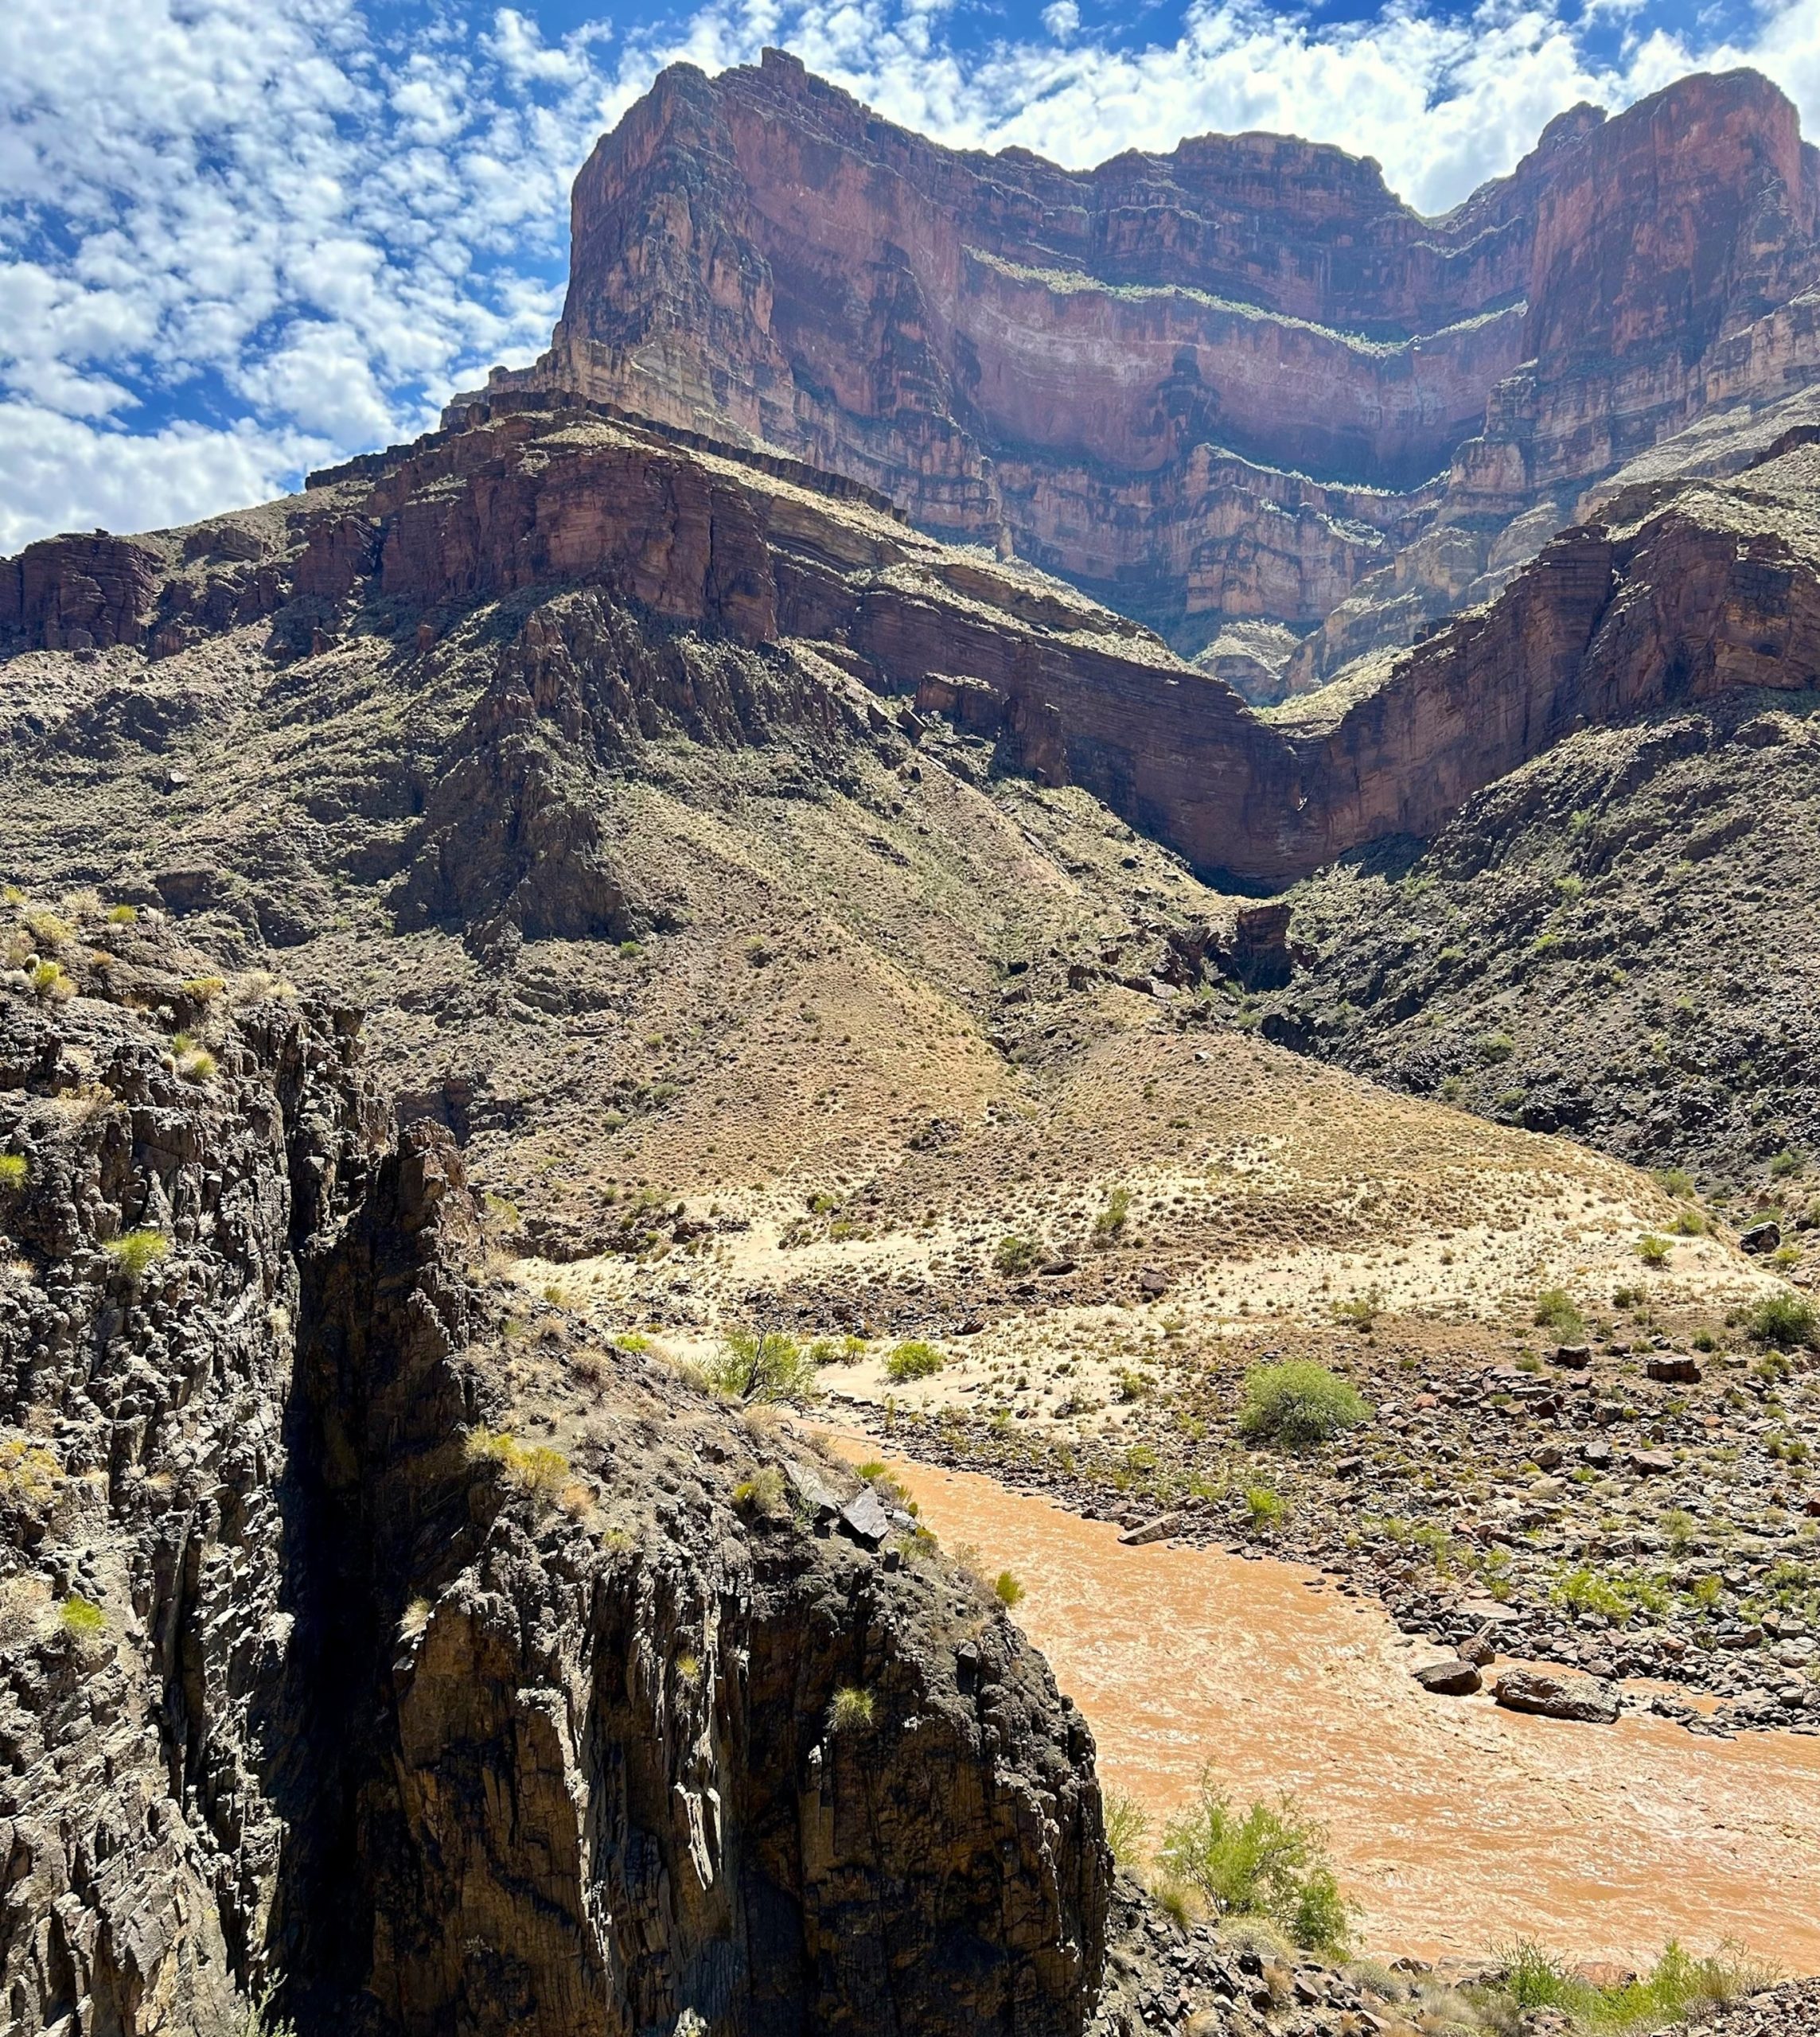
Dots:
(851, 1709)
(914, 1359)
(1015, 1255)
(13, 1170)
(83, 1620)
(1268, 1860)
(1678, 1984)
(136, 1253)
(1109, 1223)
(764, 1495)
(534, 1468)
(1556, 1309)
(28, 1472)
(1785, 1322)
(762, 1366)
(1127, 1826)
(1007, 1589)
(1653, 1251)
(1297, 1403)
(50, 983)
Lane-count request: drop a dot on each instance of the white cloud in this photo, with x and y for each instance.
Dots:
(239, 235)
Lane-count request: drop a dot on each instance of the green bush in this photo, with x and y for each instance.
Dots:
(851, 1709)
(1112, 1217)
(82, 1618)
(1785, 1322)
(1127, 1826)
(1785, 1163)
(12, 1173)
(1007, 1589)
(763, 1494)
(1297, 1402)
(763, 1366)
(1265, 1506)
(1678, 1984)
(912, 1360)
(1015, 1255)
(1268, 1861)
(1652, 1250)
(135, 1253)
(1556, 1310)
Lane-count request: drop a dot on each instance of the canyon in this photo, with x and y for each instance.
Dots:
(1103, 777)
(1240, 391)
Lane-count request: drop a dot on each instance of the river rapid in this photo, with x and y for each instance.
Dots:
(1455, 1826)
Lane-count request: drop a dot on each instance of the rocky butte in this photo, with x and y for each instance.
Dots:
(1240, 391)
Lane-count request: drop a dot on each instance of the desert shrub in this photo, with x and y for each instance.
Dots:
(1266, 1507)
(1785, 1163)
(414, 1619)
(1688, 1224)
(1297, 1402)
(912, 1360)
(1015, 1255)
(1653, 1251)
(763, 1495)
(29, 1472)
(12, 1173)
(1556, 1309)
(1127, 1826)
(204, 989)
(1676, 1181)
(1360, 1310)
(135, 1253)
(1784, 1321)
(1678, 1984)
(1496, 1046)
(48, 931)
(1268, 1860)
(49, 981)
(852, 1710)
(1112, 1217)
(1129, 1385)
(1679, 1529)
(1007, 1589)
(196, 1064)
(122, 915)
(533, 1467)
(762, 1366)
(82, 1618)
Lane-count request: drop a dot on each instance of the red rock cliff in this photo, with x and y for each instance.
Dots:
(1208, 385)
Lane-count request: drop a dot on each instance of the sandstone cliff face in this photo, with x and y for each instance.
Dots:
(535, 1735)
(647, 585)
(1230, 383)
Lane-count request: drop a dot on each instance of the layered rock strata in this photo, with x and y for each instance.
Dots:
(831, 607)
(1234, 382)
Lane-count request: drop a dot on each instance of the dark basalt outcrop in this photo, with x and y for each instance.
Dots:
(337, 1652)
(1230, 383)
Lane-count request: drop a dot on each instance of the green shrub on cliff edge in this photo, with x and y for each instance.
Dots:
(1296, 1403)
(134, 1252)
(1268, 1861)
(1678, 1983)
(1783, 1321)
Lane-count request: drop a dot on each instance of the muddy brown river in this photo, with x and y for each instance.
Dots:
(1455, 1826)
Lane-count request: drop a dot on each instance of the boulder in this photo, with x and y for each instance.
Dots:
(1577, 1358)
(1456, 1677)
(1158, 1530)
(1557, 1696)
(1675, 1368)
(1761, 1238)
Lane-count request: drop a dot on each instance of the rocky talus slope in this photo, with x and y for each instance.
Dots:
(345, 1647)
(1239, 384)
(1615, 941)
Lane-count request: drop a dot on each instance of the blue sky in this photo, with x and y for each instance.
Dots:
(239, 238)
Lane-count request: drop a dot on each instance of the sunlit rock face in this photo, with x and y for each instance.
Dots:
(1235, 383)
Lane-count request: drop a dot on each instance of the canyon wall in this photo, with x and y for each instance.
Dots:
(831, 609)
(1230, 383)
(317, 1672)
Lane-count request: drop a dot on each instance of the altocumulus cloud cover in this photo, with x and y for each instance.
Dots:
(241, 237)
